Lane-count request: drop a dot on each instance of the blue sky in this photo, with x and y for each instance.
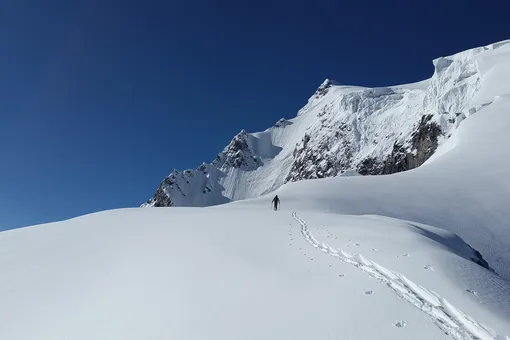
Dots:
(99, 100)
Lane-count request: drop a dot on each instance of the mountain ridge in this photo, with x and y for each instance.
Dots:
(373, 131)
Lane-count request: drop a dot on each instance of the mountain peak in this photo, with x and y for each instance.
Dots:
(323, 88)
(370, 131)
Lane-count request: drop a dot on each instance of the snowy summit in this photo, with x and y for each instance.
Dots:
(372, 131)
(393, 223)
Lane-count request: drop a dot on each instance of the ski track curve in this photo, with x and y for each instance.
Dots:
(448, 318)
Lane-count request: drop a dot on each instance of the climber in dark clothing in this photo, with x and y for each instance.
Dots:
(275, 202)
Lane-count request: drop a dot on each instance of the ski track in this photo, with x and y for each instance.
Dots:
(448, 318)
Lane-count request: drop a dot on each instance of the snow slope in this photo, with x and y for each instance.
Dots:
(465, 191)
(236, 273)
(369, 130)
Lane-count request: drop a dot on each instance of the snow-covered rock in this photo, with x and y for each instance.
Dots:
(370, 130)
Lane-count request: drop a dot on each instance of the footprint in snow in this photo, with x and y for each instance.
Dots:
(341, 275)
(429, 267)
(369, 292)
(406, 255)
(357, 244)
(374, 249)
(399, 324)
(331, 265)
(472, 292)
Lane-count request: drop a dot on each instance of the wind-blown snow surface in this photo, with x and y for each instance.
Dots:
(370, 130)
(235, 273)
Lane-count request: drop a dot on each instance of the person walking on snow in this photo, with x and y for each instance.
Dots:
(275, 202)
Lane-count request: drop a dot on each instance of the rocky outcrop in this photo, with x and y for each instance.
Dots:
(422, 145)
(479, 260)
(416, 151)
(198, 187)
(318, 162)
(161, 197)
(373, 131)
(334, 143)
(370, 166)
(323, 89)
(238, 154)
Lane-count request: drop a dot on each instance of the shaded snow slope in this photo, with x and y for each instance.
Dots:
(370, 130)
(236, 273)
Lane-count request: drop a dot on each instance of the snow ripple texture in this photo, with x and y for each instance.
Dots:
(448, 318)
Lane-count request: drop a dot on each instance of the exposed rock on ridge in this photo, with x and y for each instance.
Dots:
(372, 131)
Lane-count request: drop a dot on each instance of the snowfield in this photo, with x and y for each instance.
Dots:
(236, 273)
(421, 254)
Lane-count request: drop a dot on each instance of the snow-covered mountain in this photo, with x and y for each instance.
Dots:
(372, 131)
(420, 254)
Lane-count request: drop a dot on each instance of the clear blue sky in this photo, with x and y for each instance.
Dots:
(100, 99)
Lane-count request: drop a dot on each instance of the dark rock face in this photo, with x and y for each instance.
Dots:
(370, 166)
(316, 162)
(423, 141)
(160, 198)
(319, 161)
(480, 261)
(422, 144)
(323, 89)
(238, 154)
(323, 158)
